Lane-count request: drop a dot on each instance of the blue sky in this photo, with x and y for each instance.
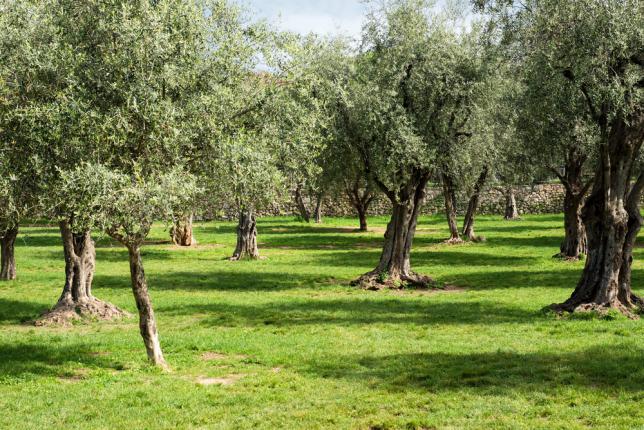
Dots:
(303, 16)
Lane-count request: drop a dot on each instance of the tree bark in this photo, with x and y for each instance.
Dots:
(612, 220)
(360, 198)
(181, 232)
(8, 258)
(394, 268)
(449, 191)
(574, 244)
(317, 215)
(301, 206)
(147, 321)
(511, 211)
(246, 237)
(472, 206)
(77, 299)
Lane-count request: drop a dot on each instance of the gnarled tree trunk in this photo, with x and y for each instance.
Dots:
(147, 321)
(449, 191)
(301, 206)
(8, 257)
(574, 243)
(76, 299)
(181, 232)
(360, 198)
(246, 237)
(511, 210)
(472, 206)
(394, 268)
(612, 220)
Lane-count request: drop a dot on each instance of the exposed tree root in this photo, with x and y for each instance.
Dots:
(64, 313)
(564, 257)
(247, 257)
(631, 311)
(374, 281)
(453, 241)
(477, 239)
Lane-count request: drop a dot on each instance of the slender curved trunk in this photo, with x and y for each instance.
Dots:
(301, 206)
(473, 205)
(8, 257)
(246, 237)
(147, 321)
(612, 221)
(511, 210)
(181, 231)
(317, 215)
(449, 191)
(394, 267)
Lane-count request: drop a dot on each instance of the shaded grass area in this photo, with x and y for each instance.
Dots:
(305, 351)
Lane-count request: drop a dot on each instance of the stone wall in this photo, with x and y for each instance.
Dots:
(531, 199)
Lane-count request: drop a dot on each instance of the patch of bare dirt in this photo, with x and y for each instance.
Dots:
(77, 376)
(217, 356)
(223, 381)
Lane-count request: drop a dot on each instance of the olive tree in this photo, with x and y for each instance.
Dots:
(558, 134)
(597, 47)
(411, 97)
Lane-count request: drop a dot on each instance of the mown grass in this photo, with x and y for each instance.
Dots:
(302, 350)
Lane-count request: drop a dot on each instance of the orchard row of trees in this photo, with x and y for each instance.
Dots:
(118, 114)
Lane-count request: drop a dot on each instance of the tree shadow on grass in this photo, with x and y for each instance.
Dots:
(611, 368)
(553, 242)
(13, 311)
(443, 256)
(19, 360)
(354, 311)
(234, 280)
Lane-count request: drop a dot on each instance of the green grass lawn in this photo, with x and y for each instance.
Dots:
(300, 349)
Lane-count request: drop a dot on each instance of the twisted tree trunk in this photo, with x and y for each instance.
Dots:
(511, 210)
(360, 198)
(449, 191)
(612, 220)
(301, 206)
(246, 237)
(147, 321)
(574, 244)
(181, 231)
(394, 268)
(7, 251)
(77, 299)
(472, 206)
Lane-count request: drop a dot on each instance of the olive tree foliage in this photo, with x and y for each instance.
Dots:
(411, 97)
(598, 48)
